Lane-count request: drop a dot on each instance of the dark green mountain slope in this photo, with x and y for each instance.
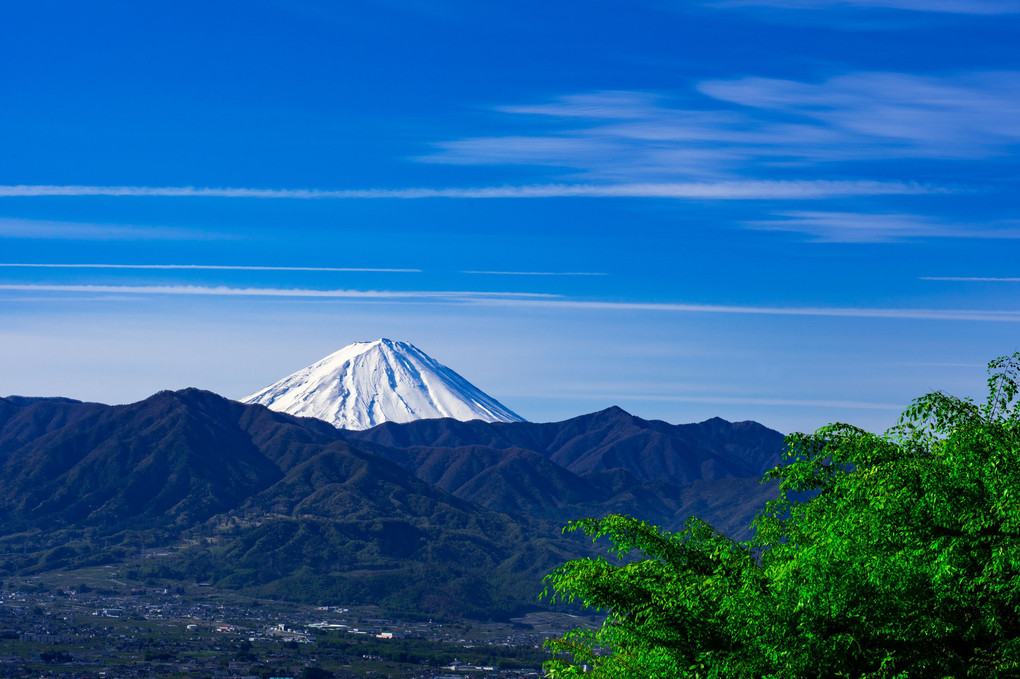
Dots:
(24, 419)
(434, 516)
(350, 527)
(593, 465)
(650, 450)
(267, 502)
(173, 459)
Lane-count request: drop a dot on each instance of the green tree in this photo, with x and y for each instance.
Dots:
(885, 556)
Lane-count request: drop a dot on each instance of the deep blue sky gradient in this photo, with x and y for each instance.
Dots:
(757, 209)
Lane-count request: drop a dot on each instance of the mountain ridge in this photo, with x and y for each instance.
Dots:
(250, 498)
(607, 439)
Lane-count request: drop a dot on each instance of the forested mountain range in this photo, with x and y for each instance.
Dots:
(609, 461)
(435, 516)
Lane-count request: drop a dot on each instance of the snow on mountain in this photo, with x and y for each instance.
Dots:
(367, 383)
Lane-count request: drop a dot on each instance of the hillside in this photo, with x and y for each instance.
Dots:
(609, 461)
(435, 516)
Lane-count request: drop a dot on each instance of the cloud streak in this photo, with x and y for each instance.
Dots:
(535, 273)
(206, 267)
(963, 116)
(967, 279)
(854, 227)
(735, 400)
(723, 190)
(34, 229)
(533, 300)
(994, 315)
(225, 291)
(729, 128)
(978, 7)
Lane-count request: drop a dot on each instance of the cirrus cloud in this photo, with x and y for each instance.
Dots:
(978, 7)
(858, 227)
(722, 190)
(745, 126)
(524, 300)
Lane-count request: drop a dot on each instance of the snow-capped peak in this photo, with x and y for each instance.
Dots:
(367, 383)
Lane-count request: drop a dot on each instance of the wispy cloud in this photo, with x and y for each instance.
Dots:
(736, 126)
(980, 279)
(980, 7)
(963, 116)
(53, 230)
(226, 291)
(535, 273)
(996, 315)
(729, 400)
(853, 227)
(531, 300)
(942, 364)
(205, 267)
(722, 190)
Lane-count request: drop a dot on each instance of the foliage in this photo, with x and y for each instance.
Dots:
(887, 556)
(456, 572)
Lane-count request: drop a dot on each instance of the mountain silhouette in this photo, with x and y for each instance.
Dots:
(433, 515)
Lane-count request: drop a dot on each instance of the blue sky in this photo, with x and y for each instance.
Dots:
(792, 212)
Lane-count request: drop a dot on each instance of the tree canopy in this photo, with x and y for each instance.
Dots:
(885, 556)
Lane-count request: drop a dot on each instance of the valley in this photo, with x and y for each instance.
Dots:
(88, 624)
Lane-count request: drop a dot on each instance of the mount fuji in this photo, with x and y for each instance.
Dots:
(368, 383)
